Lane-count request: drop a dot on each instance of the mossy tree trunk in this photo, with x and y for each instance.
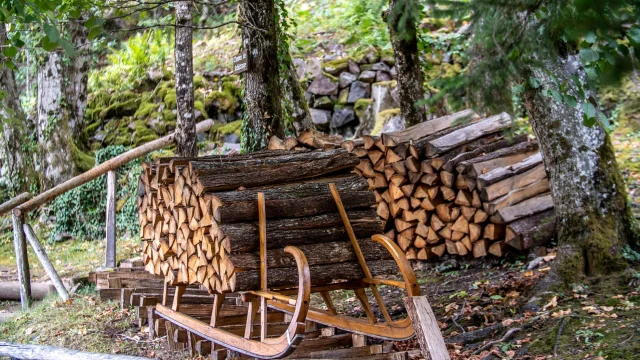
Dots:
(404, 40)
(297, 103)
(185, 137)
(263, 103)
(54, 134)
(17, 163)
(594, 219)
(77, 73)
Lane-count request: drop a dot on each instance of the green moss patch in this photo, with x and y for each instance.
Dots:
(145, 109)
(171, 99)
(82, 160)
(120, 109)
(382, 118)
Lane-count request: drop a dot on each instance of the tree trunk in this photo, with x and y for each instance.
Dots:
(263, 112)
(54, 133)
(410, 76)
(296, 103)
(186, 124)
(17, 163)
(593, 218)
(76, 75)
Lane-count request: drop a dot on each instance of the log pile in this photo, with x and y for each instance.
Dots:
(459, 184)
(199, 218)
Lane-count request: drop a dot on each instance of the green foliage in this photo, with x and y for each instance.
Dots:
(128, 65)
(81, 211)
(511, 40)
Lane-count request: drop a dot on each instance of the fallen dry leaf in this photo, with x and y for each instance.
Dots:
(551, 304)
(561, 313)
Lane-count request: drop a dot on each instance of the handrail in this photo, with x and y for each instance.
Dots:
(12, 203)
(102, 169)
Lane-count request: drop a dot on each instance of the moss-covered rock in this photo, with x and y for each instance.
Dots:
(232, 87)
(387, 57)
(382, 118)
(169, 115)
(145, 109)
(163, 89)
(219, 130)
(198, 105)
(361, 106)
(224, 100)
(199, 81)
(83, 161)
(120, 109)
(335, 67)
(171, 99)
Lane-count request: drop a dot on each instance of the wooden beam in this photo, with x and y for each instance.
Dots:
(39, 352)
(22, 260)
(16, 201)
(105, 167)
(46, 263)
(426, 328)
(110, 256)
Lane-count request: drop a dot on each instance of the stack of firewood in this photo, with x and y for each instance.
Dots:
(199, 218)
(460, 185)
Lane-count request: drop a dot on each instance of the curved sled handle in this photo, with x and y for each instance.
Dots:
(408, 275)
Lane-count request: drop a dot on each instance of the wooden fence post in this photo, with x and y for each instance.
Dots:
(426, 327)
(110, 257)
(22, 259)
(46, 263)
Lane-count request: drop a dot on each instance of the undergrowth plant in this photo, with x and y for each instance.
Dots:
(81, 211)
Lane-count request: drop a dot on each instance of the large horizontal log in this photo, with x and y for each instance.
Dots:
(317, 254)
(244, 237)
(12, 203)
(526, 208)
(499, 158)
(469, 133)
(536, 230)
(11, 290)
(320, 275)
(427, 128)
(293, 200)
(500, 174)
(220, 176)
(515, 196)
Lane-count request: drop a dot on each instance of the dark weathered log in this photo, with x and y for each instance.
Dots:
(323, 228)
(293, 200)
(536, 230)
(500, 174)
(490, 161)
(320, 275)
(39, 352)
(467, 134)
(317, 254)
(220, 176)
(428, 128)
(451, 164)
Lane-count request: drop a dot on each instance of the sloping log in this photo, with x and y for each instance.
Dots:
(16, 201)
(515, 196)
(427, 128)
(526, 208)
(468, 134)
(496, 159)
(451, 164)
(500, 174)
(503, 187)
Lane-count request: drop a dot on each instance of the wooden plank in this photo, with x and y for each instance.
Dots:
(45, 262)
(106, 166)
(526, 208)
(39, 352)
(426, 328)
(22, 260)
(427, 128)
(110, 256)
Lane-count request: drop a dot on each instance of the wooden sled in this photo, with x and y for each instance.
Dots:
(295, 301)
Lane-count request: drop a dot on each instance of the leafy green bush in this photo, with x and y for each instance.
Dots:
(128, 66)
(81, 211)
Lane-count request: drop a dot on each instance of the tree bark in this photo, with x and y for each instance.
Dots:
(410, 76)
(77, 74)
(297, 104)
(593, 218)
(17, 164)
(54, 133)
(186, 123)
(263, 112)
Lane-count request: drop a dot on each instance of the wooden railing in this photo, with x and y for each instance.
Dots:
(22, 204)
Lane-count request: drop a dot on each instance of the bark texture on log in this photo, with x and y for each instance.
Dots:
(263, 112)
(186, 123)
(404, 40)
(77, 74)
(298, 108)
(594, 220)
(54, 134)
